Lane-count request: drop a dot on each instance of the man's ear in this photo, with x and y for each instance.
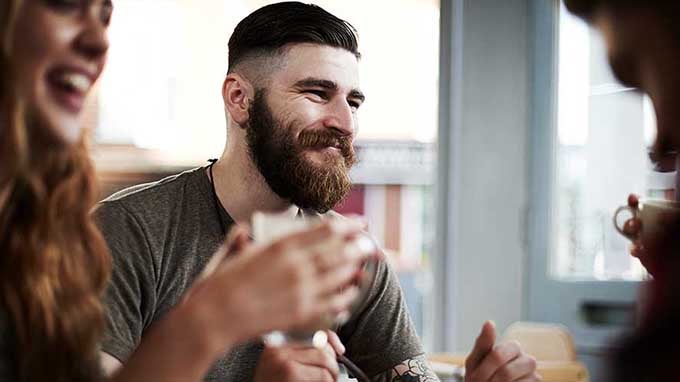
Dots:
(237, 93)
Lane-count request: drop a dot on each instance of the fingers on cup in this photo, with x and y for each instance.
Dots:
(237, 240)
(351, 253)
(330, 361)
(320, 358)
(331, 282)
(637, 250)
(633, 200)
(335, 342)
(340, 302)
(632, 227)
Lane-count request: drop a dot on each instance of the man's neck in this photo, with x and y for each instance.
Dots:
(242, 190)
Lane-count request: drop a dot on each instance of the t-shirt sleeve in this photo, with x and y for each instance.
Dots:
(131, 295)
(381, 334)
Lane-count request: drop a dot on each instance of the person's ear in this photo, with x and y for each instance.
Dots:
(237, 93)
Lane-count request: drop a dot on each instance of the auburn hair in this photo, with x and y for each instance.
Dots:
(54, 263)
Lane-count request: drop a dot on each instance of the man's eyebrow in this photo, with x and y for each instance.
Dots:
(356, 93)
(312, 82)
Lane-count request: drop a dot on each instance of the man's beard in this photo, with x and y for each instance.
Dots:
(281, 159)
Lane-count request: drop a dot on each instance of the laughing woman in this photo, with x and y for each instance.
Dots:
(54, 265)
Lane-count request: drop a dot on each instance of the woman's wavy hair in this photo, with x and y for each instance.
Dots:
(54, 263)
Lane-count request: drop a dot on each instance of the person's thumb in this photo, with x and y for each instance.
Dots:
(236, 241)
(483, 345)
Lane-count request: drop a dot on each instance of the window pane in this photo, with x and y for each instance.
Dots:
(602, 137)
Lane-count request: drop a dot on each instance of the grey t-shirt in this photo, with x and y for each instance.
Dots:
(161, 236)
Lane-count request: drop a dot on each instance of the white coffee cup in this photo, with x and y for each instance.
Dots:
(268, 227)
(652, 213)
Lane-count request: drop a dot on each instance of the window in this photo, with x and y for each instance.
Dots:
(603, 131)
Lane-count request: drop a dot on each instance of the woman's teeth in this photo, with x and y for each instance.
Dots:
(75, 81)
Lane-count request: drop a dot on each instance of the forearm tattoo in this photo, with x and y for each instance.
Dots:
(412, 370)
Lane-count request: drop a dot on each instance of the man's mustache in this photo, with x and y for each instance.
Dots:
(321, 138)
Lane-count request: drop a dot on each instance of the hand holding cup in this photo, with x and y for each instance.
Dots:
(324, 256)
(279, 285)
(650, 228)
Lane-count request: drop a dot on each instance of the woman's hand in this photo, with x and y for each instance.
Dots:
(248, 290)
(633, 227)
(658, 248)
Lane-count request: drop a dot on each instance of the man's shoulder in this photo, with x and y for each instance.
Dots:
(153, 197)
(166, 186)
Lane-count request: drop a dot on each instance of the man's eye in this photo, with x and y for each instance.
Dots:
(354, 104)
(318, 93)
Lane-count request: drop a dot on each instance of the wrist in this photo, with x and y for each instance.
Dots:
(181, 343)
(204, 335)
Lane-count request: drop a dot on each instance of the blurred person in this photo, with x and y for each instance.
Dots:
(291, 97)
(643, 44)
(54, 264)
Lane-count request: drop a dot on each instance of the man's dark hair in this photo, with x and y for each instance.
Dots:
(271, 27)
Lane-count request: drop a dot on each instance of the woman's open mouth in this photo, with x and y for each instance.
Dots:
(69, 88)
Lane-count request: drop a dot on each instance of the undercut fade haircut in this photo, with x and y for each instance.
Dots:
(266, 31)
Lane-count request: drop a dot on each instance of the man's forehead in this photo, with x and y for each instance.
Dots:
(318, 61)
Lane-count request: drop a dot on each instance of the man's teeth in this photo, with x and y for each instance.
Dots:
(76, 81)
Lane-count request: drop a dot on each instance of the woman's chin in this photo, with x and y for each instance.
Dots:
(65, 127)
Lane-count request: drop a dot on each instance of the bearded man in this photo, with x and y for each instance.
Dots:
(291, 97)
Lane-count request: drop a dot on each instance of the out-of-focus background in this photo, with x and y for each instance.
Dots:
(495, 145)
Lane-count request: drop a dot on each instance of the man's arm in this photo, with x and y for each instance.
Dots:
(411, 370)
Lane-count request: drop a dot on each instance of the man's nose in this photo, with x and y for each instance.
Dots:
(340, 118)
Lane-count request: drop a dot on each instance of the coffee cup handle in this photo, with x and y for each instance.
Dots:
(633, 211)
